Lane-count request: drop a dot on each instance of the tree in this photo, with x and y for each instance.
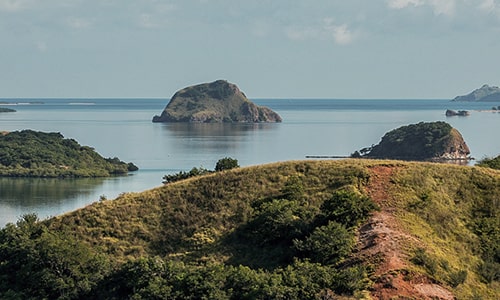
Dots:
(226, 163)
(38, 263)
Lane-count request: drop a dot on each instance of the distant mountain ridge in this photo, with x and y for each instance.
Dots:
(215, 102)
(485, 93)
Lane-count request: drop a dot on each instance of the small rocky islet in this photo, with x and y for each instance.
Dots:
(425, 141)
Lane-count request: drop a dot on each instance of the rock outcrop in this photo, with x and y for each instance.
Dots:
(452, 113)
(216, 102)
(484, 94)
(422, 141)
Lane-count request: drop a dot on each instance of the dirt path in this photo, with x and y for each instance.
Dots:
(382, 240)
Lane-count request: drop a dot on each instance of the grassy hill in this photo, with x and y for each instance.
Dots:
(293, 230)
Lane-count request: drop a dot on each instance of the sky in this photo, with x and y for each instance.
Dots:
(355, 49)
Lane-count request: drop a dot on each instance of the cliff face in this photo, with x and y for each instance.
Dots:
(216, 102)
(422, 141)
(485, 93)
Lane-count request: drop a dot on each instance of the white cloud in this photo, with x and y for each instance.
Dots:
(490, 7)
(439, 7)
(443, 7)
(341, 34)
(399, 4)
(14, 5)
(42, 46)
(146, 21)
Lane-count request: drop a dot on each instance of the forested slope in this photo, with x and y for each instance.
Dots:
(292, 230)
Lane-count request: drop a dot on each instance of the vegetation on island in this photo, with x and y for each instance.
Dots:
(422, 141)
(488, 162)
(290, 230)
(30, 153)
(215, 102)
(4, 109)
(484, 94)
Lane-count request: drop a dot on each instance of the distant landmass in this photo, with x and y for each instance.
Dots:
(3, 109)
(215, 102)
(422, 141)
(484, 94)
(31, 153)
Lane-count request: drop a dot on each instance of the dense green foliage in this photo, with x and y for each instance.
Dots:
(425, 140)
(279, 231)
(493, 163)
(226, 163)
(29, 153)
(181, 175)
(222, 164)
(36, 263)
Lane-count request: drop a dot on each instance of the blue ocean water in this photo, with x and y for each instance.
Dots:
(123, 128)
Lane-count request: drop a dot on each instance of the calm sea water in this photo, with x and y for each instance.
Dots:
(123, 128)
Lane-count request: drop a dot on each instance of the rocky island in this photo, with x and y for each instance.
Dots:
(484, 94)
(215, 102)
(423, 142)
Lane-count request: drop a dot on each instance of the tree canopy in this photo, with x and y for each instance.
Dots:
(31, 153)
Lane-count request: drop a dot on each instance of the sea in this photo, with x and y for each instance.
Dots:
(123, 128)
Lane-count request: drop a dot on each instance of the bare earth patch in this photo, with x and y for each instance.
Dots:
(382, 240)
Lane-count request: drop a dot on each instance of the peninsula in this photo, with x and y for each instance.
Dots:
(31, 153)
(484, 94)
(216, 102)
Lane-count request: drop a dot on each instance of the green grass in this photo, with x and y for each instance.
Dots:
(268, 225)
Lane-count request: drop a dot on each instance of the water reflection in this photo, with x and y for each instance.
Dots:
(208, 141)
(215, 129)
(34, 191)
(45, 196)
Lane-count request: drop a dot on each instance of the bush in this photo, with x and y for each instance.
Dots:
(226, 163)
(327, 244)
(169, 178)
(347, 208)
(421, 258)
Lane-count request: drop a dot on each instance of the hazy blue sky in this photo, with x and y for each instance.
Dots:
(269, 48)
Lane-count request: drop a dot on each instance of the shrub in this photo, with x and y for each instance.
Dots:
(226, 163)
(327, 244)
(347, 207)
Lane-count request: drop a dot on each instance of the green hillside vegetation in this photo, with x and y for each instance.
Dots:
(493, 163)
(30, 153)
(279, 231)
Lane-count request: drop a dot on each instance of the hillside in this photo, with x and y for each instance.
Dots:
(485, 93)
(31, 153)
(344, 229)
(215, 102)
